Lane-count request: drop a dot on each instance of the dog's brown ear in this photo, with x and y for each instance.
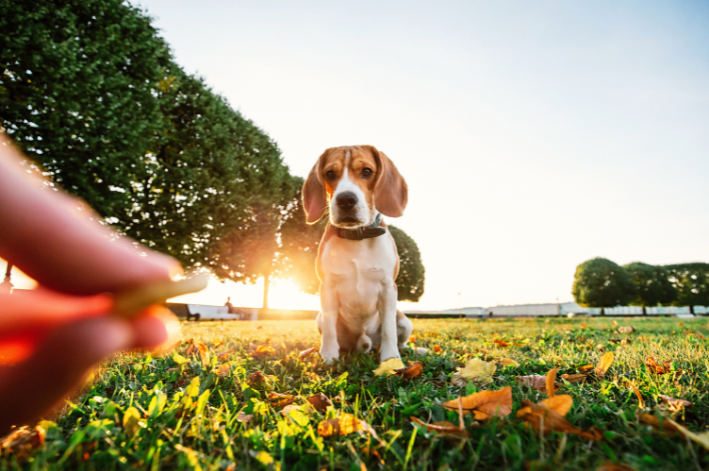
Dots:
(390, 190)
(314, 195)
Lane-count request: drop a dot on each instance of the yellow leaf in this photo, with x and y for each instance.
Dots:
(389, 367)
(131, 421)
(605, 363)
(551, 382)
(344, 425)
(478, 371)
(560, 404)
(701, 438)
(506, 362)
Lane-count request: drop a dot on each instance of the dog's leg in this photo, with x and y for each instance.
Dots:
(404, 327)
(387, 315)
(330, 348)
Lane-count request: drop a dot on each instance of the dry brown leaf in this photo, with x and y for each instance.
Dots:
(701, 438)
(244, 418)
(611, 466)
(217, 343)
(484, 404)
(263, 351)
(546, 420)
(222, 371)
(412, 339)
(307, 352)
(203, 354)
(665, 368)
(667, 425)
(22, 441)
(626, 329)
(536, 382)
(551, 384)
(605, 362)
(320, 402)
(389, 367)
(410, 372)
(560, 404)
(224, 356)
(256, 378)
(281, 400)
(501, 343)
(443, 428)
(575, 378)
(585, 368)
(344, 425)
(192, 349)
(437, 348)
(641, 403)
(674, 405)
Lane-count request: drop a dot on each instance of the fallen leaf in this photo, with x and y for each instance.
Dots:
(641, 403)
(320, 402)
(611, 466)
(560, 404)
(307, 352)
(244, 418)
(263, 351)
(22, 441)
(701, 438)
(585, 368)
(575, 378)
(506, 362)
(501, 343)
(281, 400)
(389, 367)
(256, 378)
(605, 363)
(476, 370)
(443, 428)
(674, 405)
(412, 339)
(536, 382)
(667, 425)
(550, 383)
(665, 368)
(203, 354)
(222, 371)
(191, 350)
(312, 376)
(344, 425)
(437, 348)
(224, 356)
(410, 372)
(484, 404)
(132, 422)
(217, 343)
(626, 329)
(541, 418)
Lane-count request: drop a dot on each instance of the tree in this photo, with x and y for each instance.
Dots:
(410, 282)
(91, 92)
(654, 286)
(691, 280)
(601, 283)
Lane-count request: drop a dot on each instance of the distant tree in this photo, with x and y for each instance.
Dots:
(691, 280)
(654, 286)
(601, 283)
(410, 282)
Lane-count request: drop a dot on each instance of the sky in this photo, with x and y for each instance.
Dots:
(533, 135)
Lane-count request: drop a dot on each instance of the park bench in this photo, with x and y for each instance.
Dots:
(204, 312)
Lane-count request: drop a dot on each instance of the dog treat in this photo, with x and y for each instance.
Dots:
(133, 301)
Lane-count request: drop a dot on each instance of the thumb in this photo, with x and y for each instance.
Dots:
(34, 387)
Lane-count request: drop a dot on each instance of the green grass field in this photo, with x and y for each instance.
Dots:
(192, 412)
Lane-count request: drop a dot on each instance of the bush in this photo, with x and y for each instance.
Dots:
(411, 279)
(654, 286)
(691, 280)
(601, 283)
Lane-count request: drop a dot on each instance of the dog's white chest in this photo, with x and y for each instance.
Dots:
(358, 272)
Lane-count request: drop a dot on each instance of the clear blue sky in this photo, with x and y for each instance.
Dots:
(533, 135)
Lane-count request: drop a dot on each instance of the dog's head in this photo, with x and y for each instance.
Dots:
(355, 182)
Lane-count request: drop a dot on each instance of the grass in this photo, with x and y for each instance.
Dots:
(189, 416)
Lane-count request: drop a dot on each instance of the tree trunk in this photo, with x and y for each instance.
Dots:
(266, 285)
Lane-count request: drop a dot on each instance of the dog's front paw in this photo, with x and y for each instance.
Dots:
(330, 353)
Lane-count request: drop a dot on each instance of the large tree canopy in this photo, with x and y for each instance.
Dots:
(601, 283)
(654, 286)
(90, 91)
(411, 279)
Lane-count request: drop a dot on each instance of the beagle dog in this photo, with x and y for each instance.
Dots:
(357, 261)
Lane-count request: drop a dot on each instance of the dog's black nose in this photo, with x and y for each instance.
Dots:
(346, 201)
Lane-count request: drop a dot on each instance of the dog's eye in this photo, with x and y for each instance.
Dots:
(367, 172)
(330, 174)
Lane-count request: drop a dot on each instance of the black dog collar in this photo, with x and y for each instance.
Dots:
(367, 232)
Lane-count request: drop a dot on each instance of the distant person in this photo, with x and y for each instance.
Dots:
(229, 304)
(53, 336)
